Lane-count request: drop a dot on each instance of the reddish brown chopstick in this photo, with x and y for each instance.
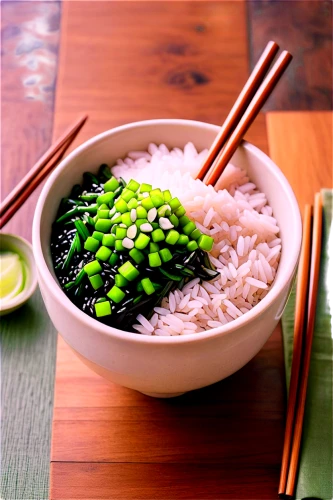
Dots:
(300, 321)
(38, 172)
(248, 117)
(312, 300)
(243, 100)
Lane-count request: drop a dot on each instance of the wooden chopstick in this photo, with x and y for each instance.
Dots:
(248, 117)
(312, 300)
(300, 321)
(38, 172)
(243, 100)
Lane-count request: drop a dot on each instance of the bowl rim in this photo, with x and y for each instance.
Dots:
(103, 329)
(26, 293)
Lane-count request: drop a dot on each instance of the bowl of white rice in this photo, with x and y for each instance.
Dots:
(205, 330)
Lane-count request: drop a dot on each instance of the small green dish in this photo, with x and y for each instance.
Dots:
(11, 243)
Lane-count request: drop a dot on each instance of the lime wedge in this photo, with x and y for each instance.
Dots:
(11, 276)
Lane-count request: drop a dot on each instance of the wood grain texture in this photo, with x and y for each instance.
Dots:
(163, 481)
(305, 30)
(129, 61)
(29, 44)
(301, 145)
(235, 426)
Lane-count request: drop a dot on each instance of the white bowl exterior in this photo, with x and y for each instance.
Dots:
(165, 365)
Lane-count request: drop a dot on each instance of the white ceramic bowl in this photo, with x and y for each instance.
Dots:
(12, 243)
(165, 366)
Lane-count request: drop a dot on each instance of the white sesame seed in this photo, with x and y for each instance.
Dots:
(127, 243)
(152, 213)
(146, 228)
(131, 232)
(165, 223)
(133, 215)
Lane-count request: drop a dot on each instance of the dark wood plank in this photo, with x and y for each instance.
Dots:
(305, 30)
(306, 157)
(29, 45)
(121, 63)
(163, 481)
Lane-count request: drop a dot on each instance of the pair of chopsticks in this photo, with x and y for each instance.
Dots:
(247, 106)
(306, 297)
(39, 171)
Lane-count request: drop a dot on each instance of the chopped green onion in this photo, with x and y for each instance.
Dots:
(206, 242)
(91, 244)
(126, 219)
(127, 195)
(113, 259)
(133, 203)
(157, 235)
(174, 220)
(103, 253)
(191, 246)
(92, 209)
(116, 294)
(121, 206)
(174, 204)
(92, 268)
(69, 214)
(165, 254)
(147, 203)
(167, 195)
(121, 233)
(141, 212)
(103, 225)
(153, 247)
(119, 245)
(120, 281)
(103, 309)
(140, 222)
(147, 286)
(189, 228)
(96, 281)
(111, 185)
(164, 210)
(106, 198)
(183, 239)
(141, 241)
(103, 214)
(157, 199)
(195, 235)
(128, 271)
(154, 259)
(184, 220)
(133, 185)
(172, 237)
(116, 218)
(145, 188)
(180, 211)
(136, 255)
(108, 240)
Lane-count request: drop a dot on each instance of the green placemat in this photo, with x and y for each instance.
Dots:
(315, 469)
(28, 352)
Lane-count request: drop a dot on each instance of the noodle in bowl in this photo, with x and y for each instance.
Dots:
(206, 331)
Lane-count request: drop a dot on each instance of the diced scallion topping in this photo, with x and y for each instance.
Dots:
(103, 309)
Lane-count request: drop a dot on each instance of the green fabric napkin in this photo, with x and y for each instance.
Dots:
(315, 468)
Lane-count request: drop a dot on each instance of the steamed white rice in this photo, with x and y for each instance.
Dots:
(236, 214)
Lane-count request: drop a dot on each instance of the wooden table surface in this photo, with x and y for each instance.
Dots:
(121, 62)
